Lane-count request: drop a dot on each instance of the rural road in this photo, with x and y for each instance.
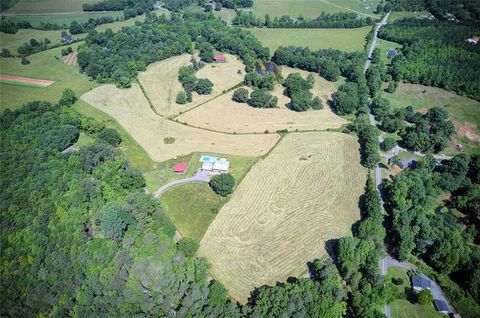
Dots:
(200, 176)
(374, 41)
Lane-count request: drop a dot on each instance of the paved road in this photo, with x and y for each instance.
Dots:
(200, 176)
(374, 41)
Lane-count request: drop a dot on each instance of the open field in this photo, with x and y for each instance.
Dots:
(48, 6)
(403, 308)
(304, 193)
(223, 114)
(191, 207)
(348, 40)
(131, 109)
(312, 8)
(61, 19)
(161, 84)
(25, 81)
(45, 66)
(13, 41)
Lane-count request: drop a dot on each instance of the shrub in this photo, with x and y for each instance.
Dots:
(240, 95)
(181, 98)
(68, 97)
(222, 184)
(187, 246)
(203, 86)
(388, 144)
(25, 61)
(110, 136)
(262, 99)
(317, 103)
(425, 297)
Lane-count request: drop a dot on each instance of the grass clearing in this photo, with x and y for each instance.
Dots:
(403, 308)
(13, 41)
(48, 6)
(313, 8)
(226, 15)
(396, 15)
(302, 194)
(348, 40)
(131, 109)
(223, 114)
(61, 19)
(46, 66)
(384, 47)
(161, 84)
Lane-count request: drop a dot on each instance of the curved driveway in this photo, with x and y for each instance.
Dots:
(200, 176)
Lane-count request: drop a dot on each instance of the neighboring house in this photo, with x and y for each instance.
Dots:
(407, 163)
(67, 38)
(180, 167)
(473, 39)
(219, 58)
(420, 283)
(441, 306)
(267, 68)
(392, 53)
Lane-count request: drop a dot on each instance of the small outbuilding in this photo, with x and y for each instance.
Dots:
(392, 53)
(407, 163)
(180, 168)
(219, 58)
(420, 283)
(442, 306)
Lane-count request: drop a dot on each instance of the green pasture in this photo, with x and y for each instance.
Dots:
(13, 41)
(462, 109)
(313, 8)
(343, 39)
(402, 307)
(48, 6)
(62, 19)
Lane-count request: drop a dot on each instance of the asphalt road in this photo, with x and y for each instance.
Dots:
(200, 176)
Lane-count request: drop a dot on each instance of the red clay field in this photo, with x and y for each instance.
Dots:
(25, 80)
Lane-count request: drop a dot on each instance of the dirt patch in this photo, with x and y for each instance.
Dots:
(70, 59)
(25, 80)
(468, 131)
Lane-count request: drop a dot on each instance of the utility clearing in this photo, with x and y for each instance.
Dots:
(131, 110)
(161, 84)
(281, 215)
(223, 114)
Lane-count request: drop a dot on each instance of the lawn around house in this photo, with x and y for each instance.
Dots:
(348, 40)
(401, 307)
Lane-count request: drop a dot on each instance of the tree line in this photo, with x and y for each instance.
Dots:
(117, 57)
(324, 20)
(435, 53)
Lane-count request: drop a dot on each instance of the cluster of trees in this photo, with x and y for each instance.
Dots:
(117, 57)
(324, 20)
(266, 81)
(190, 83)
(119, 5)
(435, 53)
(222, 184)
(33, 46)
(429, 132)
(329, 63)
(418, 226)
(442, 10)
(77, 28)
(367, 137)
(259, 98)
(298, 89)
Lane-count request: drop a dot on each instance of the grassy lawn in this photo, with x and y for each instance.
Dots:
(60, 19)
(384, 46)
(191, 207)
(226, 15)
(343, 39)
(13, 41)
(48, 6)
(312, 8)
(84, 140)
(395, 15)
(401, 307)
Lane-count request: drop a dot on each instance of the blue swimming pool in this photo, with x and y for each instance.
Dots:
(205, 158)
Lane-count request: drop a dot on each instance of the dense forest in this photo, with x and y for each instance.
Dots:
(441, 9)
(324, 20)
(117, 57)
(436, 53)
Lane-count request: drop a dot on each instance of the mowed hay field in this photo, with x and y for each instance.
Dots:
(348, 40)
(304, 193)
(48, 6)
(161, 84)
(223, 114)
(312, 8)
(132, 111)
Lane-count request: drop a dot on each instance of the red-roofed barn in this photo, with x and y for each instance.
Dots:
(219, 58)
(180, 167)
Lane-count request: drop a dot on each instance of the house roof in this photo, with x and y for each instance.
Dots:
(180, 167)
(207, 166)
(441, 305)
(419, 281)
(219, 58)
(391, 53)
(406, 162)
(221, 164)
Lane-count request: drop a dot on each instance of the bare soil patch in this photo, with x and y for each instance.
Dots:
(25, 80)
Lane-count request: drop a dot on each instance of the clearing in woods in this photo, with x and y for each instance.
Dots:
(161, 84)
(131, 109)
(313, 8)
(223, 114)
(348, 40)
(304, 193)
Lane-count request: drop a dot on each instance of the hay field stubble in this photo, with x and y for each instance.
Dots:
(304, 193)
(161, 84)
(131, 109)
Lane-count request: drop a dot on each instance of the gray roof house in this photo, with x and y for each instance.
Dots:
(420, 283)
(441, 306)
(407, 162)
(392, 53)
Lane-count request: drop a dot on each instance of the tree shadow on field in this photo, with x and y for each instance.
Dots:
(330, 247)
